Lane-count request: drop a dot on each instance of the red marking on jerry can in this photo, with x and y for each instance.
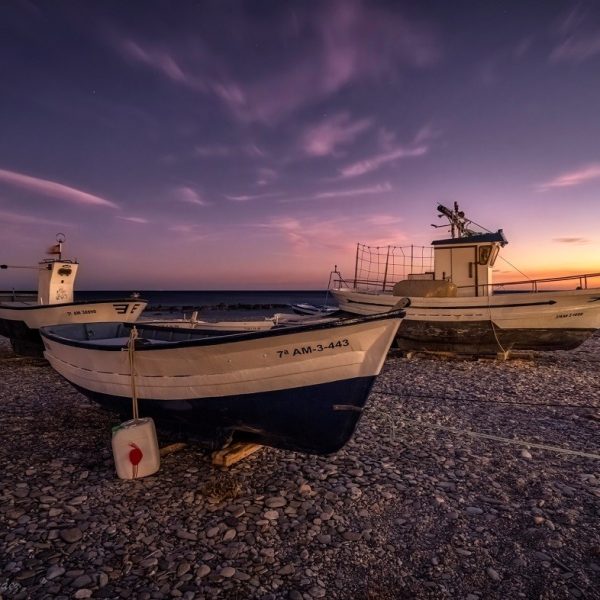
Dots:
(135, 458)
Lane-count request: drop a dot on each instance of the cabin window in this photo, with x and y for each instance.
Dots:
(495, 251)
(484, 254)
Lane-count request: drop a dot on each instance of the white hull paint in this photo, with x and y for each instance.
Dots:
(241, 367)
(36, 315)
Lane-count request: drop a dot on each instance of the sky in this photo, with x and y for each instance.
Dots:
(250, 145)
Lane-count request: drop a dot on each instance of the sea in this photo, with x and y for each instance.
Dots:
(216, 304)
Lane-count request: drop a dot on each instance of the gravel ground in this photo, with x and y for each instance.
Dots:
(413, 507)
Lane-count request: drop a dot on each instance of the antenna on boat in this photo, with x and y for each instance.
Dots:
(458, 222)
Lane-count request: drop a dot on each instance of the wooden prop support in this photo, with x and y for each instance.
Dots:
(233, 454)
(166, 450)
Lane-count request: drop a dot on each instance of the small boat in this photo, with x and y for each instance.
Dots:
(22, 315)
(453, 305)
(300, 388)
(324, 310)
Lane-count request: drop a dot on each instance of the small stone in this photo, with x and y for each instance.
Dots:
(227, 572)
(317, 592)
(286, 570)
(272, 515)
(275, 502)
(183, 568)
(493, 574)
(474, 510)
(81, 581)
(305, 489)
(71, 535)
(202, 571)
(526, 455)
(212, 532)
(229, 535)
(183, 534)
(54, 571)
(83, 593)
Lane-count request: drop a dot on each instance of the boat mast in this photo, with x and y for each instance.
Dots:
(458, 222)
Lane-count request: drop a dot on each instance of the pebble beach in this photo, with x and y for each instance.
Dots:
(468, 479)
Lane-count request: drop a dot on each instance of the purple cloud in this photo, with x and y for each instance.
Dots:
(373, 163)
(322, 139)
(365, 191)
(191, 196)
(266, 176)
(139, 220)
(344, 42)
(580, 37)
(247, 197)
(573, 178)
(53, 189)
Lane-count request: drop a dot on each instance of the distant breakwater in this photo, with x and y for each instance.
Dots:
(214, 307)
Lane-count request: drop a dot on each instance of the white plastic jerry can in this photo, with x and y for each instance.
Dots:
(135, 448)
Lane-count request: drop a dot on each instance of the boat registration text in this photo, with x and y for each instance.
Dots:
(312, 349)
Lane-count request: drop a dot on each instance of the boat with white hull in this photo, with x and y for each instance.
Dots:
(452, 305)
(300, 388)
(21, 318)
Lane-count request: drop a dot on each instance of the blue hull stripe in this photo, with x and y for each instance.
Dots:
(317, 419)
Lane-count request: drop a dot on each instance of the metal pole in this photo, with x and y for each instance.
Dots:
(356, 265)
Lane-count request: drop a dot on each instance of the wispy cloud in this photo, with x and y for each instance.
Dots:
(573, 178)
(579, 33)
(139, 220)
(53, 189)
(373, 163)
(364, 191)
(189, 195)
(323, 139)
(381, 220)
(248, 197)
(223, 151)
(344, 42)
(266, 176)
(577, 241)
(21, 219)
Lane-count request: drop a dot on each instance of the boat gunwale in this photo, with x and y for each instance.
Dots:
(208, 340)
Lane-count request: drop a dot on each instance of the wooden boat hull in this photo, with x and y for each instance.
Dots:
(21, 321)
(559, 320)
(298, 388)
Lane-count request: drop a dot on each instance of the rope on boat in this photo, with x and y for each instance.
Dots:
(497, 438)
(504, 352)
(131, 353)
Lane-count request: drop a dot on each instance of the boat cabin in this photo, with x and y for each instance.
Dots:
(467, 262)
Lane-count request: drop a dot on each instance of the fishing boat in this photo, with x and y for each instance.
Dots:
(300, 388)
(452, 303)
(22, 315)
(324, 310)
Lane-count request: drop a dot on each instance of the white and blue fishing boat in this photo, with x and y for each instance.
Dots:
(21, 316)
(452, 303)
(300, 388)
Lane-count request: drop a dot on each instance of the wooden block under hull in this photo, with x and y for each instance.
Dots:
(233, 454)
